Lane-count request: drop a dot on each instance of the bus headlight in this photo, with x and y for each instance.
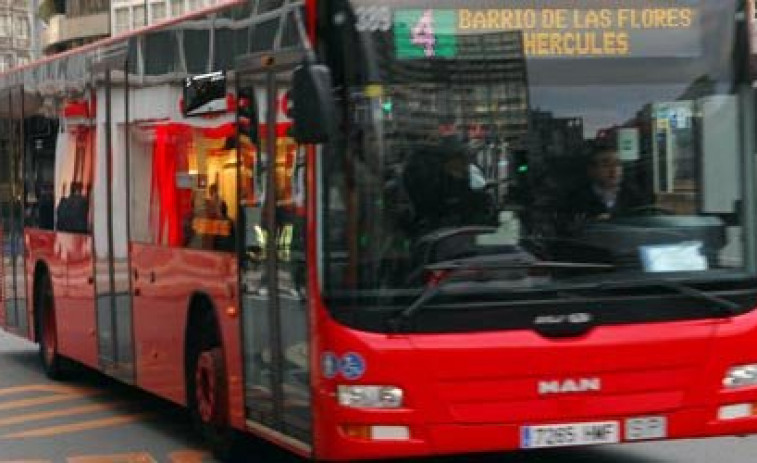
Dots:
(360, 396)
(741, 376)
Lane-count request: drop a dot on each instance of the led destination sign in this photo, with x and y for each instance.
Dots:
(659, 28)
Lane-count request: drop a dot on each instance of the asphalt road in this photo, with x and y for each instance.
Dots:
(92, 419)
(88, 419)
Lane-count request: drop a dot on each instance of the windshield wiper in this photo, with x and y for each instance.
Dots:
(455, 267)
(503, 262)
(726, 308)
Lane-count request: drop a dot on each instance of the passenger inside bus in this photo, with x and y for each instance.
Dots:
(225, 239)
(73, 210)
(445, 187)
(214, 202)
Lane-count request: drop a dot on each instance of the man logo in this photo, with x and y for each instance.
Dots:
(568, 386)
(573, 318)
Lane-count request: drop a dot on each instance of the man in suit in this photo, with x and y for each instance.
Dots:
(602, 195)
(605, 195)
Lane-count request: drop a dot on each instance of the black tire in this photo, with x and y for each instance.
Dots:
(52, 363)
(208, 392)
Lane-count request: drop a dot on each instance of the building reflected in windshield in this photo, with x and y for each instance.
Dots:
(469, 139)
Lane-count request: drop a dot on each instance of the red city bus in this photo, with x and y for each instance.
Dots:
(366, 229)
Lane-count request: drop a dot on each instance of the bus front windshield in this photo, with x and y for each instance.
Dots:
(519, 148)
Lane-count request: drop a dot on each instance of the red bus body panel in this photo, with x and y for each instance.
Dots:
(42, 249)
(75, 300)
(472, 392)
(68, 259)
(164, 280)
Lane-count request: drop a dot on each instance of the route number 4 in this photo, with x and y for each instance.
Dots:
(423, 33)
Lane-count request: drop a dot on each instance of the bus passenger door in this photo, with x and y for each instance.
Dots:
(111, 233)
(272, 258)
(12, 212)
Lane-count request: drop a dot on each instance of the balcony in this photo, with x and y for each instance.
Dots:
(62, 31)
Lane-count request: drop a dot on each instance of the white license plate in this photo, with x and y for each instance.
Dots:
(646, 427)
(564, 435)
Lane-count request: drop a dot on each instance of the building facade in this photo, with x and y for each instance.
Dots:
(128, 15)
(17, 37)
(73, 23)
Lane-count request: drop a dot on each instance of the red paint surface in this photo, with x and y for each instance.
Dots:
(164, 279)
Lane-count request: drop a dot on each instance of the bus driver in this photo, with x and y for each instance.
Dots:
(605, 194)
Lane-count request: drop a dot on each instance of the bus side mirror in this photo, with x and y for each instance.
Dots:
(311, 104)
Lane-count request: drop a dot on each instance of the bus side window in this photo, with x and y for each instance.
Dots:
(75, 146)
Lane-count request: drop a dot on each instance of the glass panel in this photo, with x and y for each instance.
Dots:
(138, 14)
(13, 247)
(191, 177)
(76, 8)
(7, 290)
(42, 137)
(177, 7)
(263, 35)
(242, 40)
(198, 41)
(158, 11)
(195, 5)
(225, 51)
(273, 262)
(6, 62)
(75, 167)
(290, 178)
(265, 6)
(107, 328)
(160, 53)
(111, 234)
(21, 27)
(133, 57)
(122, 19)
(291, 36)
(255, 265)
(604, 140)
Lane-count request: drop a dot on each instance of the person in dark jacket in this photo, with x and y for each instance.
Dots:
(605, 195)
(445, 188)
(225, 240)
(77, 209)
